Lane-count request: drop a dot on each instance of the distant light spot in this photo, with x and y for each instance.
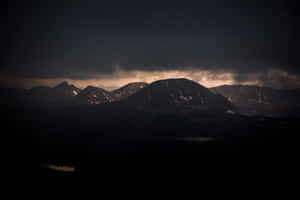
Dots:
(62, 168)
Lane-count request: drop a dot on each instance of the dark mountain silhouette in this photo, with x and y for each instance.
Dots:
(60, 95)
(254, 100)
(182, 94)
(42, 91)
(64, 89)
(61, 90)
(94, 95)
(128, 90)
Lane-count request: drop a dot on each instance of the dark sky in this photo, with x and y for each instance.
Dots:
(79, 39)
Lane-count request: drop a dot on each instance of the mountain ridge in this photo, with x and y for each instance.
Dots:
(167, 94)
(94, 95)
(256, 100)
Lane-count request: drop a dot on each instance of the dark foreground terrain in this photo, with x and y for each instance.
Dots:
(94, 141)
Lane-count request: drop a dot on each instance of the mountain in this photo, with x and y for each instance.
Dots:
(62, 94)
(128, 90)
(64, 89)
(178, 94)
(94, 95)
(61, 90)
(254, 100)
(41, 91)
(165, 95)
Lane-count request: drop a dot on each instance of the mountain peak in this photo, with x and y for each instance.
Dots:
(173, 94)
(65, 89)
(177, 81)
(90, 87)
(94, 95)
(128, 90)
(62, 84)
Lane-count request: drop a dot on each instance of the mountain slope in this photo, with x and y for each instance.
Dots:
(94, 95)
(61, 95)
(64, 89)
(128, 90)
(254, 100)
(178, 94)
(61, 90)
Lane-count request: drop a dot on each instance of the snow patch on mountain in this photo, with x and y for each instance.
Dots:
(230, 112)
(75, 92)
(184, 98)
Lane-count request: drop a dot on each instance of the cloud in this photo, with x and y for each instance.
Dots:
(211, 42)
(274, 78)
